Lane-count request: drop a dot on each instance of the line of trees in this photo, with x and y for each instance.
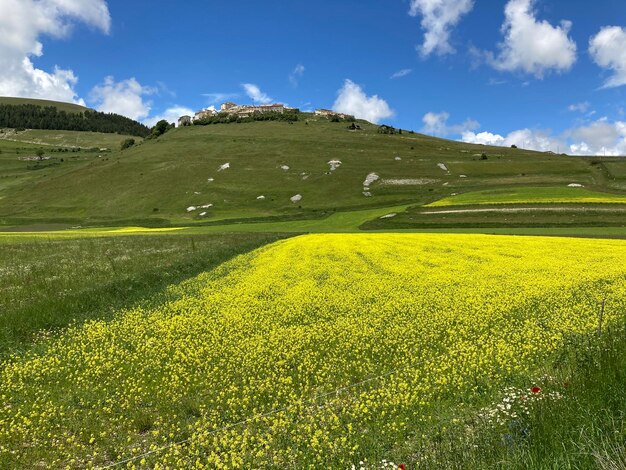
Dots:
(29, 116)
(227, 118)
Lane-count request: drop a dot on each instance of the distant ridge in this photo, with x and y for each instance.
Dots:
(61, 106)
(24, 113)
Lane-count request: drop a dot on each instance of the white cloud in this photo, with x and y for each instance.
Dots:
(351, 99)
(438, 19)
(601, 137)
(126, 98)
(531, 139)
(437, 124)
(296, 75)
(170, 115)
(255, 93)
(608, 50)
(22, 23)
(532, 46)
(401, 73)
(579, 107)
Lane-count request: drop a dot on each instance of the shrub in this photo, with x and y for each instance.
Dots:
(128, 143)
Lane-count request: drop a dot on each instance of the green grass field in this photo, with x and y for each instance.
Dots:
(531, 195)
(155, 183)
(65, 139)
(67, 107)
(48, 282)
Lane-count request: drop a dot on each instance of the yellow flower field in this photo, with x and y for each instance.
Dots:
(312, 352)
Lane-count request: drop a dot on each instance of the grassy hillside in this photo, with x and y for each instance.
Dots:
(270, 162)
(72, 139)
(67, 107)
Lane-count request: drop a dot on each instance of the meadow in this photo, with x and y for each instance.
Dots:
(328, 350)
(531, 195)
(48, 282)
(178, 178)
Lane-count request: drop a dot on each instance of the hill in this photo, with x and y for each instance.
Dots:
(266, 171)
(36, 114)
(61, 106)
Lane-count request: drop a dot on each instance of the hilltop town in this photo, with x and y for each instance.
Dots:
(244, 111)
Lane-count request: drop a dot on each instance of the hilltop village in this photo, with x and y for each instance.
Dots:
(244, 111)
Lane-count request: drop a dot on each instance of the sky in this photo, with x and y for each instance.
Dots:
(540, 74)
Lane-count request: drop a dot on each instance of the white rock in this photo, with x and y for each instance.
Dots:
(442, 166)
(462, 176)
(191, 208)
(334, 164)
(225, 166)
(296, 198)
(210, 180)
(398, 159)
(371, 178)
(206, 206)
(202, 214)
(389, 216)
(260, 198)
(575, 185)
(284, 167)
(367, 194)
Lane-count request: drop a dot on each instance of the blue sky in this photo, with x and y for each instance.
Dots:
(545, 74)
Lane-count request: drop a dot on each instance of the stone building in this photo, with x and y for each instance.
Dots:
(184, 121)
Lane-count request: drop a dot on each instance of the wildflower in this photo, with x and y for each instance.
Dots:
(535, 390)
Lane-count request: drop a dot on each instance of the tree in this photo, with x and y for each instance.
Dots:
(128, 143)
(160, 128)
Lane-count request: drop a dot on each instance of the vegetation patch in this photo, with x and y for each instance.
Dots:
(317, 351)
(531, 195)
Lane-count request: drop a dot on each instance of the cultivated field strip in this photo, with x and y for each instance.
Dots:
(460, 317)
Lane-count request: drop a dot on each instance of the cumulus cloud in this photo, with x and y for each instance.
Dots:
(170, 115)
(437, 124)
(601, 137)
(608, 50)
(255, 93)
(351, 99)
(438, 19)
(401, 73)
(296, 75)
(22, 23)
(127, 98)
(532, 46)
(531, 139)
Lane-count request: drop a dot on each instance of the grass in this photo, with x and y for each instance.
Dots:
(583, 427)
(155, 182)
(47, 282)
(546, 217)
(67, 107)
(530, 195)
(66, 139)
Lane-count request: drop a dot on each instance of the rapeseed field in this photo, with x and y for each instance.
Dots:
(320, 351)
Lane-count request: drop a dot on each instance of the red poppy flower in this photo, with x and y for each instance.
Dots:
(535, 390)
(402, 467)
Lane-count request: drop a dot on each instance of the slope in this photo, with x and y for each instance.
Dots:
(61, 106)
(251, 172)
